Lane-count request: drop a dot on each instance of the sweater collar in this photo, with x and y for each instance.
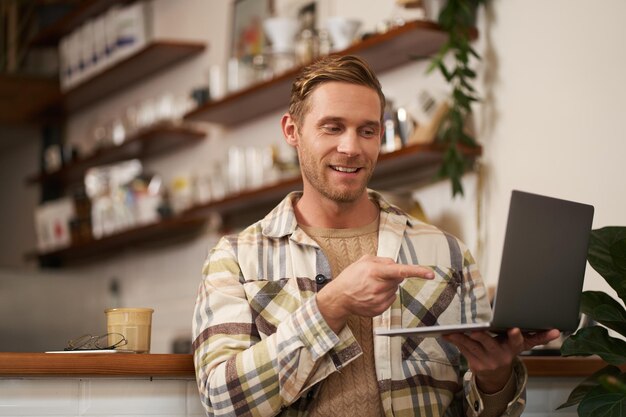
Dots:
(281, 221)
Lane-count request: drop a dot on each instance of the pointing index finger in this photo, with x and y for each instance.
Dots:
(395, 271)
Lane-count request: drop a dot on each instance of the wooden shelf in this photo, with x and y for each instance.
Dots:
(181, 365)
(23, 98)
(86, 9)
(149, 60)
(398, 46)
(147, 143)
(161, 231)
(407, 167)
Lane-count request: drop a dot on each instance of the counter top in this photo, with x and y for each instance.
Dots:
(95, 364)
(181, 365)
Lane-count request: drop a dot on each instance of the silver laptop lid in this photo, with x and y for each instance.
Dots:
(543, 262)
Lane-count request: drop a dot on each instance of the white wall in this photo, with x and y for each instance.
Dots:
(41, 311)
(553, 123)
(18, 159)
(550, 123)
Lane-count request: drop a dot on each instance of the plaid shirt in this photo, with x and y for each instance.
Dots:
(262, 348)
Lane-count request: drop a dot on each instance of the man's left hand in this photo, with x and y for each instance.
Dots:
(491, 358)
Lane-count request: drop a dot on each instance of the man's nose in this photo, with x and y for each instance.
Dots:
(349, 143)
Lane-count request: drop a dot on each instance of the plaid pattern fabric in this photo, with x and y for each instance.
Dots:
(261, 346)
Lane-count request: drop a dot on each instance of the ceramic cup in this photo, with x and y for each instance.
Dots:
(134, 323)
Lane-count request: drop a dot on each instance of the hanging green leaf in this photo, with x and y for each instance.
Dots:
(445, 72)
(607, 251)
(467, 86)
(587, 385)
(469, 73)
(618, 252)
(473, 52)
(604, 309)
(600, 402)
(614, 383)
(438, 58)
(595, 340)
(456, 19)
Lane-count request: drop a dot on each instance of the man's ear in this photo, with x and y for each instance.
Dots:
(290, 130)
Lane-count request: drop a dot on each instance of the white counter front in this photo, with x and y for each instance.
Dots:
(39, 384)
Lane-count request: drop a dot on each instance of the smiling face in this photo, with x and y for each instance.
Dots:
(338, 141)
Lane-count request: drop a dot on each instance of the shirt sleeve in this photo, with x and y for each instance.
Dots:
(497, 402)
(514, 405)
(241, 373)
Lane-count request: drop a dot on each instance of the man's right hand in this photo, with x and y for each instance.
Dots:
(365, 288)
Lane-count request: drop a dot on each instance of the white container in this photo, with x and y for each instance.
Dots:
(73, 60)
(133, 28)
(181, 193)
(240, 74)
(87, 50)
(217, 84)
(99, 43)
(342, 31)
(432, 9)
(42, 230)
(110, 33)
(282, 33)
(52, 223)
(236, 169)
(65, 69)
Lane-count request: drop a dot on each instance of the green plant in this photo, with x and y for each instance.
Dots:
(457, 20)
(603, 393)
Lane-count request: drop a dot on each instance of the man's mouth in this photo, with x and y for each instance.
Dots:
(349, 170)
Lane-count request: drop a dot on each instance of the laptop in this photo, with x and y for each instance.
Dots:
(541, 271)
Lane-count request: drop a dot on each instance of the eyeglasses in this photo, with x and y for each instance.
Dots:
(89, 342)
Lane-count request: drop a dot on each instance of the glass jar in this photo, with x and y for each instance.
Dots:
(261, 69)
(307, 47)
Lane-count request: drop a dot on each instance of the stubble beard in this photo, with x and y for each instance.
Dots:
(314, 174)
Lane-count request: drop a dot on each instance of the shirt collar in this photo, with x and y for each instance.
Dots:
(281, 221)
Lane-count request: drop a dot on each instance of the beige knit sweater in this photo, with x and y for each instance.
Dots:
(354, 391)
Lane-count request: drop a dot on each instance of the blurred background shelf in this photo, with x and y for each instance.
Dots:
(83, 11)
(149, 142)
(403, 169)
(169, 230)
(408, 167)
(414, 40)
(23, 97)
(149, 60)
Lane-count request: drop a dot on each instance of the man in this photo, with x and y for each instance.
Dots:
(285, 313)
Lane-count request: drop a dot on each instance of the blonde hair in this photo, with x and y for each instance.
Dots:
(349, 68)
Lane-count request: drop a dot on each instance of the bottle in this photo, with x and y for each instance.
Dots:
(324, 42)
(306, 47)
